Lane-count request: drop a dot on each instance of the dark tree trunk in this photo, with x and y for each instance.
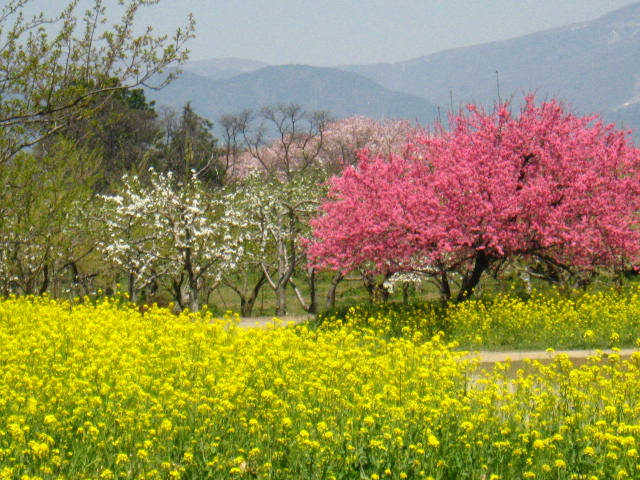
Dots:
(378, 293)
(281, 298)
(132, 288)
(405, 292)
(470, 281)
(247, 302)
(176, 292)
(45, 279)
(313, 302)
(445, 288)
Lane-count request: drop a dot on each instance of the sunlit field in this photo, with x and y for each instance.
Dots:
(99, 390)
(601, 319)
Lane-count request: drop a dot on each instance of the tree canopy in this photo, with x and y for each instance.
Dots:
(543, 183)
(54, 71)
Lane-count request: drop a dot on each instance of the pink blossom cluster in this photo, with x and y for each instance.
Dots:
(541, 181)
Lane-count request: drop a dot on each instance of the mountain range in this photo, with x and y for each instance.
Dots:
(338, 92)
(594, 67)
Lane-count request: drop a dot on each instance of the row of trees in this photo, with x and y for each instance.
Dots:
(542, 192)
(186, 216)
(101, 189)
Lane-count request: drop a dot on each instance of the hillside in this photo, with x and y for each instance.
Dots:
(221, 68)
(594, 66)
(339, 92)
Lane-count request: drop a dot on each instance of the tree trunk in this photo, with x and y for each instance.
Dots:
(378, 293)
(151, 292)
(192, 299)
(471, 281)
(281, 297)
(132, 288)
(194, 302)
(192, 279)
(45, 279)
(331, 294)
(176, 292)
(445, 288)
(75, 277)
(313, 302)
(248, 301)
(370, 285)
(405, 292)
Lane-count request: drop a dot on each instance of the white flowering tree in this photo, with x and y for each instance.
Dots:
(274, 214)
(163, 232)
(248, 278)
(279, 183)
(272, 157)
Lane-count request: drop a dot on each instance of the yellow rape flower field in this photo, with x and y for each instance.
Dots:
(102, 391)
(606, 318)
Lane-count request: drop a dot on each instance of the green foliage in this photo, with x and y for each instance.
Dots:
(43, 227)
(188, 146)
(60, 70)
(122, 132)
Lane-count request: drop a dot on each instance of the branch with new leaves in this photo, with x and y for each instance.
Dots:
(57, 70)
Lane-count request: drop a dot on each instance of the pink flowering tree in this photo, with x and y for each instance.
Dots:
(343, 139)
(543, 183)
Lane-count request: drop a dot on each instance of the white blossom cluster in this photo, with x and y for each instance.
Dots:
(159, 230)
(270, 213)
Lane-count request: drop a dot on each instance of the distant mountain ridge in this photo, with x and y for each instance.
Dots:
(339, 92)
(592, 66)
(221, 68)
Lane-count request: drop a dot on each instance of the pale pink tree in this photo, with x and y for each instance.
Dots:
(542, 183)
(343, 139)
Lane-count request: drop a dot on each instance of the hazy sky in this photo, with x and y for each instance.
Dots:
(331, 32)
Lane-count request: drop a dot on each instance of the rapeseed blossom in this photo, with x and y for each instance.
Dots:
(602, 319)
(102, 391)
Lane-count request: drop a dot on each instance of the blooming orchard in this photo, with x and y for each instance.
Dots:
(162, 231)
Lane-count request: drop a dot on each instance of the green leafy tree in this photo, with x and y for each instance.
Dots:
(56, 71)
(42, 233)
(189, 147)
(123, 133)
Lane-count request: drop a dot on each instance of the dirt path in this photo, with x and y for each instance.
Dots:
(519, 356)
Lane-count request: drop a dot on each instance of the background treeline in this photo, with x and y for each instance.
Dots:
(102, 191)
(150, 202)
